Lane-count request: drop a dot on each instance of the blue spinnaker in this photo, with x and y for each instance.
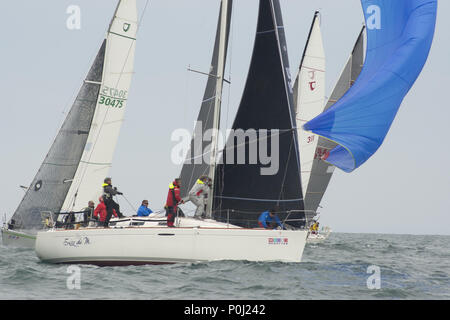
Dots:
(399, 37)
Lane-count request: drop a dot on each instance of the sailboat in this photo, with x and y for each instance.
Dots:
(81, 154)
(309, 93)
(244, 187)
(365, 100)
(240, 191)
(321, 171)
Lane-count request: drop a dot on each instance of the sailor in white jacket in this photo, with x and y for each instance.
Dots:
(199, 195)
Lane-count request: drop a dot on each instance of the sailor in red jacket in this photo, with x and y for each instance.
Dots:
(100, 212)
(172, 202)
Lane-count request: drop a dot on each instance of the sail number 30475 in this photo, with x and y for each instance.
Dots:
(118, 103)
(112, 97)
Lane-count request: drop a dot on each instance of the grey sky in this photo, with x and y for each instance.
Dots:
(403, 188)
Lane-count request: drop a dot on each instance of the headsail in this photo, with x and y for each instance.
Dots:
(321, 170)
(50, 185)
(110, 110)
(195, 164)
(82, 150)
(246, 188)
(399, 37)
(309, 96)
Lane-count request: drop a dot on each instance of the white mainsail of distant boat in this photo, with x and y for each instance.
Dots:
(81, 155)
(321, 171)
(309, 93)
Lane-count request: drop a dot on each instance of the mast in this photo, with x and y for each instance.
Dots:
(218, 100)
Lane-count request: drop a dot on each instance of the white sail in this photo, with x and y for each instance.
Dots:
(310, 97)
(111, 104)
(322, 171)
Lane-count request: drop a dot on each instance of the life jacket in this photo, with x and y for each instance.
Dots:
(106, 195)
(173, 196)
(200, 190)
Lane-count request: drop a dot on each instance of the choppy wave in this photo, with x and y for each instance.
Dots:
(411, 267)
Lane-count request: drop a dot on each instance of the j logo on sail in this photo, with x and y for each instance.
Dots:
(312, 76)
(126, 27)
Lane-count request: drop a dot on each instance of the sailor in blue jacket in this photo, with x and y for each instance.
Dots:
(269, 220)
(143, 210)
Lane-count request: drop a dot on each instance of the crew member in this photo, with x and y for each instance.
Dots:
(88, 212)
(100, 212)
(172, 202)
(143, 210)
(269, 220)
(199, 195)
(315, 227)
(108, 192)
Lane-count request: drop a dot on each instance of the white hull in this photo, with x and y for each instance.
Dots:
(17, 238)
(318, 237)
(160, 244)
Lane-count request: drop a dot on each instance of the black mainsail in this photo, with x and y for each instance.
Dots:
(242, 192)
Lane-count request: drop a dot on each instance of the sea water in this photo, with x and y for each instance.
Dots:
(345, 266)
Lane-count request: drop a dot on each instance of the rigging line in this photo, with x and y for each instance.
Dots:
(258, 139)
(134, 209)
(225, 148)
(191, 179)
(230, 58)
(285, 170)
(117, 83)
(288, 88)
(255, 199)
(209, 100)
